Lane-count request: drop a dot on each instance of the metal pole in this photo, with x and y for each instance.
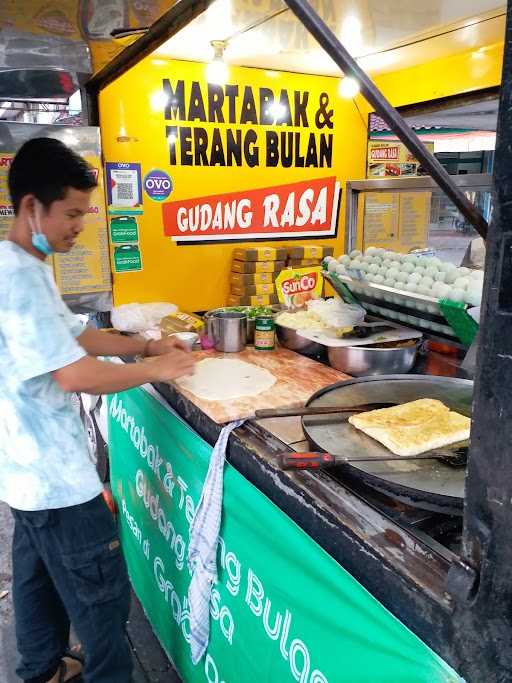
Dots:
(172, 21)
(326, 38)
(483, 619)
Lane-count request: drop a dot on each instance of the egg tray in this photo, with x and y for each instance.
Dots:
(444, 319)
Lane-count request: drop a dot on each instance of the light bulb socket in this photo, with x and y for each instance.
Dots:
(218, 50)
(349, 87)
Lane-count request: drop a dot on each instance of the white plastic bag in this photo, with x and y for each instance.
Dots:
(336, 314)
(140, 317)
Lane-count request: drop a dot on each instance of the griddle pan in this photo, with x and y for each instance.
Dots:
(427, 484)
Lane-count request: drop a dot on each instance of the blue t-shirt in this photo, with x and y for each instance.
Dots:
(44, 457)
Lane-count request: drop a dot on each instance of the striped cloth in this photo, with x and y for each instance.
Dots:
(202, 550)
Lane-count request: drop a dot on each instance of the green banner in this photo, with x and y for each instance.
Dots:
(283, 610)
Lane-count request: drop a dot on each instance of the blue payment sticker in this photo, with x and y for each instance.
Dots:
(158, 185)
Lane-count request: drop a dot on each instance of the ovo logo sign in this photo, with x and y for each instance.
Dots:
(157, 185)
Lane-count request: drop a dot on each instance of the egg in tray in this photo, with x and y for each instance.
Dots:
(419, 291)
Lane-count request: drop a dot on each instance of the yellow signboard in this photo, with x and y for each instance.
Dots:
(247, 161)
(392, 159)
(40, 17)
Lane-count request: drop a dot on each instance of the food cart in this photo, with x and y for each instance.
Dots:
(344, 575)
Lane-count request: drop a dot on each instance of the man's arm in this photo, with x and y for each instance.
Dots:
(98, 343)
(93, 376)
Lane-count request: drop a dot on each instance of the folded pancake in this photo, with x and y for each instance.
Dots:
(415, 427)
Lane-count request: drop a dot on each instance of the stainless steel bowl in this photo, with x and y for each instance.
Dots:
(289, 338)
(277, 308)
(363, 361)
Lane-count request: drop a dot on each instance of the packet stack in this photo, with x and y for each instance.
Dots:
(253, 274)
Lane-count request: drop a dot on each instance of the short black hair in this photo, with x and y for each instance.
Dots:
(45, 167)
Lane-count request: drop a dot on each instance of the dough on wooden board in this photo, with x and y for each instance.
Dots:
(222, 379)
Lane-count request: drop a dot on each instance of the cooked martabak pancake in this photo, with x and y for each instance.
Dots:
(415, 427)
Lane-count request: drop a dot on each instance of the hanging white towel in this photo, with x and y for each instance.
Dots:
(202, 550)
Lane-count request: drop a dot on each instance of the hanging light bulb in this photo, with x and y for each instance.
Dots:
(278, 111)
(349, 87)
(217, 69)
(158, 101)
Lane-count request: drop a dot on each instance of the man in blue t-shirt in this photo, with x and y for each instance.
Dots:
(67, 562)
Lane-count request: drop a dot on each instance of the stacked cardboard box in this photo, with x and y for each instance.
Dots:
(253, 272)
(252, 276)
(307, 255)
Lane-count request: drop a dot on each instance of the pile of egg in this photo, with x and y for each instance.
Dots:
(411, 274)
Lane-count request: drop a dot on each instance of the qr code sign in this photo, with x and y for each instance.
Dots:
(124, 190)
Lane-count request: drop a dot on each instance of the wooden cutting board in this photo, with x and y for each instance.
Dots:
(297, 378)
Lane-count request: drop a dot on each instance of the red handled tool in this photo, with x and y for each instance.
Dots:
(306, 461)
(311, 461)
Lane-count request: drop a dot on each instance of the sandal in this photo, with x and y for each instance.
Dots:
(76, 652)
(63, 671)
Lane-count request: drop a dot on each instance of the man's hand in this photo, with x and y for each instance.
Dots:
(165, 345)
(172, 365)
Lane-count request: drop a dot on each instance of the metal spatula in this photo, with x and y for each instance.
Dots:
(318, 410)
(314, 460)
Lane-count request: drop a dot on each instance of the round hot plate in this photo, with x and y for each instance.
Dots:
(430, 483)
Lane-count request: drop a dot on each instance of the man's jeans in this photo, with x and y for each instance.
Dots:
(67, 566)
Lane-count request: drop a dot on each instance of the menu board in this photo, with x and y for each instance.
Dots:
(381, 215)
(397, 221)
(86, 268)
(6, 208)
(414, 219)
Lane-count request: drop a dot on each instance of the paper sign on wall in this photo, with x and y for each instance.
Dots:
(124, 229)
(85, 269)
(6, 207)
(124, 187)
(127, 258)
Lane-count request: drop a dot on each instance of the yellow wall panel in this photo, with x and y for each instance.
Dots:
(437, 78)
(133, 130)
